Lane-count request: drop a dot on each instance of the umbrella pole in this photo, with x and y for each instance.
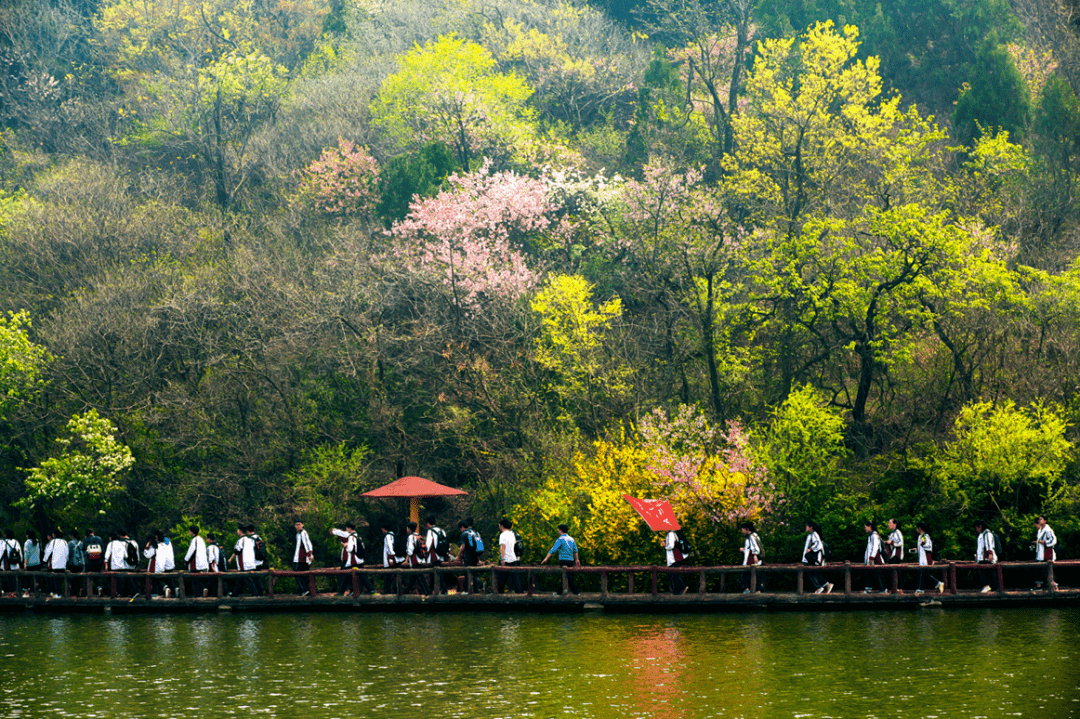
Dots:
(414, 510)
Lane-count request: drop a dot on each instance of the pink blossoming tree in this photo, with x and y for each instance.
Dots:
(470, 236)
(342, 182)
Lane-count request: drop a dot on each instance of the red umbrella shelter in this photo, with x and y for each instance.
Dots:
(414, 488)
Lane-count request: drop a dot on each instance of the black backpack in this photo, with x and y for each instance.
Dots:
(681, 544)
(132, 553)
(260, 548)
(359, 550)
(441, 549)
(14, 555)
(519, 546)
(997, 546)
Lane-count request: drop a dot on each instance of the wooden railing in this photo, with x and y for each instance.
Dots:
(710, 580)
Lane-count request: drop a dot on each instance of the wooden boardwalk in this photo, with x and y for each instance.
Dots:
(615, 589)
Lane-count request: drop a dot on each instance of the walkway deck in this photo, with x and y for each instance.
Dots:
(717, 590)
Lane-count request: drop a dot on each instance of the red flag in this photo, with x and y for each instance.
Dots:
(657, 513)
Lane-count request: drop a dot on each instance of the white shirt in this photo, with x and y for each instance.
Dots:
(431, 541)
(116, 555)
(751, 545)
(197, 551)
(985, 544)
(926, 549)
(56, 554)
(507, 539)
(873, 548)
(896, 544)
(303, 541)
(31, 554)
(813, 544)
(388, 556)
(155, 567)
(350, 550)
(245, 554)
(670, 542)
(215, 555)
(1044, 539)
(166, 558)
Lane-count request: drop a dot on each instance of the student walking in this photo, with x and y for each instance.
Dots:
(986, 553)
(508, 558)
(894, 544)
(56, 560)
(751, 554)
(197, 562)
(10, 560)
(1045, 544)
(677, 550)
(244, 553)
(925, 547)
(389, 556)
(302, 555)
(414, 550)
(438, 549)
(352, 557)
(813, 555)
(873, 556)
(94, 549)
(567, 551)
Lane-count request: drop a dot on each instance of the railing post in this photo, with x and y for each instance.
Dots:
(753, 578)
(468, 581)
(89, 587)
(1000, 577)
(1050, 585)
(565, 581)
(112, 586)
(181, 592)
(895, 580)
(847, 578)
(494, 584)
(149, 586)
(220, 587)
(313, 585)
(434, 581)
(629, 582)
(654, 581)
(529, 579)
(952, 578)
(67, 586)
(723, 581)
(398, 583)
(270, 581)
(701, 582)
(603, 585)
(799, 581)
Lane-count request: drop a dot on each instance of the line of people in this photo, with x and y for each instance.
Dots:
(121, 554)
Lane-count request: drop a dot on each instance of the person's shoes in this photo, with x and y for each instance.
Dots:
(819, 590)
(940, 587)
(919, 591)
(168, 592)
(746, 591)
(206, 593)
(305, 593)
(868, 590)
(828, 587)
(985, 590)
(884, 591)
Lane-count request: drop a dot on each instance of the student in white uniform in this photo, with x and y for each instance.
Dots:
(118, 559)
(508, 558)
(12, 560)
(414, 553)
(813, 555)
(244, 554)
(352, 557)
(1045, 544)
(55, 560)
(674, 544)
(894, 544)
(152, 566)
(302, 556)
(873, 556)
(438, 548)
(925, 547)
(389, 555)
(197, 562)
(986, 553)
(751, 553)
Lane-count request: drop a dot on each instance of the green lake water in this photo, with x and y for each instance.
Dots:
(930, 663)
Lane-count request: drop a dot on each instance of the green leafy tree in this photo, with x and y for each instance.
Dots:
(22, 363)
(87, 472)
(450, 91)
(997, 98)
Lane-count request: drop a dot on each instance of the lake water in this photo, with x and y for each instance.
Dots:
(930, 663)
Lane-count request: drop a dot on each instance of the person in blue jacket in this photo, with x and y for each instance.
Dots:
(566, 548)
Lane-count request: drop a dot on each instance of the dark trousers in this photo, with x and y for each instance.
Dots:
(93, 567)
(569, 575)
(56, 582)
(675, 580)
(508, 580)
(417, 581)
(344, 585)
(198, 583)
(874, 579)
(924, 575)
(760, 582)
(442, 577)
(817, 579)
(989, 576)
(302, 583)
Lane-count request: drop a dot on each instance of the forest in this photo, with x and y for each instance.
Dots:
(769, 261)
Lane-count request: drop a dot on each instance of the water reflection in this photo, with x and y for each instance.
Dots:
(950, 664)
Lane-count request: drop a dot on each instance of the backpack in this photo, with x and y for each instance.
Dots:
(94, 551)
(935, 553)
(441, 548)
(826, 552)
(761, 548)
(519, 546)
(260, 548)
(359, 550)
(997, 546)
(14, 555)
(681, 544)
(475, 541)
(132, 556)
